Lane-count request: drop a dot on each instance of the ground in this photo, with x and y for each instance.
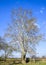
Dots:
(30, 63)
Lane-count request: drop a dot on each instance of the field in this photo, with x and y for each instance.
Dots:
(10, 62)
(38, 63)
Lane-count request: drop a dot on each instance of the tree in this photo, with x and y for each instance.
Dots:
(2, 43)
(23, 32)
(43, 56)
(5, 47)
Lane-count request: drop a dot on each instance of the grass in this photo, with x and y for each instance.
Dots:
(10, 62)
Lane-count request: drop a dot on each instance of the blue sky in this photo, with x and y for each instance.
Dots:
(38, 8)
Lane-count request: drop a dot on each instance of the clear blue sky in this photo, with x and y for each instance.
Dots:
(38, 8)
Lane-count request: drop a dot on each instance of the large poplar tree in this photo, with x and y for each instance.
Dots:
(23, 31)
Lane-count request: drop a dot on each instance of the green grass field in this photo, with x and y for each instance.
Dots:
(30, 63)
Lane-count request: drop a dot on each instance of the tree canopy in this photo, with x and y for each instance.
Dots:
(23, 31)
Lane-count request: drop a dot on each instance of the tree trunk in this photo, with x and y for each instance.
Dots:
(23, 58)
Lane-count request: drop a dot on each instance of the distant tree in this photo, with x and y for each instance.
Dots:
(4, 46)
(33, 57)
(23, 32)
(43, 56)
(2, 43)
